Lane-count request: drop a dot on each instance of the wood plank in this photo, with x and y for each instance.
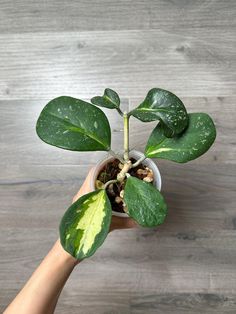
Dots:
(206, 260)
(124, 268)
(175, 16)
(139, 303)
(45, 65)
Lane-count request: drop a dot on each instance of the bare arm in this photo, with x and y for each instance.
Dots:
(41, 292)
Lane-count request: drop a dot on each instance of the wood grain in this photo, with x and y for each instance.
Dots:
(79, 15)
(46, 65)
(77, 48)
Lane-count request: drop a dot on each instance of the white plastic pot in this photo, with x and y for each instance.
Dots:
(136, 155)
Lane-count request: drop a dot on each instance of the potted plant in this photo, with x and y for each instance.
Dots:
(127, 184)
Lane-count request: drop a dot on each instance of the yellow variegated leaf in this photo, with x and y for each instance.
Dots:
(85, 224)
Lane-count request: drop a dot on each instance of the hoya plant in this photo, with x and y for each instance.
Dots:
(76, 125)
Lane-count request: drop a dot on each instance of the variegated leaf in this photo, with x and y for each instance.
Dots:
(85, 224)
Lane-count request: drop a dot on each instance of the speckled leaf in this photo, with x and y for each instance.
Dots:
(85, 224)
(110, 99)
(74, 124)
(144, 202)
(162, 105)
(192, 143)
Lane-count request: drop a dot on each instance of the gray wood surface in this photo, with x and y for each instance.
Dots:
(77, 48)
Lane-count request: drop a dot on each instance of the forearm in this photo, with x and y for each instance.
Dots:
(40, 294)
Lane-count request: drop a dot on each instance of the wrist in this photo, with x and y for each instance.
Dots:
(62, 256)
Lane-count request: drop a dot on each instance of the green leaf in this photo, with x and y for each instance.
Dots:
(110, 99)
(85, 224)
(144, 202)
(162, 105)
(74, 124)
(192, 143)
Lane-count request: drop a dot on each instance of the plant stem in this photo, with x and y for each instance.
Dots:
(122, 174)
(108, 183)
(138, 162)
(126, 136)
(119, 111)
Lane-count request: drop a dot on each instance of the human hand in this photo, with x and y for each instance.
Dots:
(50, 277)
(116, 222)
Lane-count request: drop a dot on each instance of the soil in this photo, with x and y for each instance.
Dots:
(109, 172)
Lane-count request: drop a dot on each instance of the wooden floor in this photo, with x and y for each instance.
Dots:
(78, 48)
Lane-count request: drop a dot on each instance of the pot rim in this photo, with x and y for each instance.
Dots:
(135, 154)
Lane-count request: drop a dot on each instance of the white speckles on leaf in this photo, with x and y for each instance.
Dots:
(162, 105)
(63, 123)
(194, 142)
